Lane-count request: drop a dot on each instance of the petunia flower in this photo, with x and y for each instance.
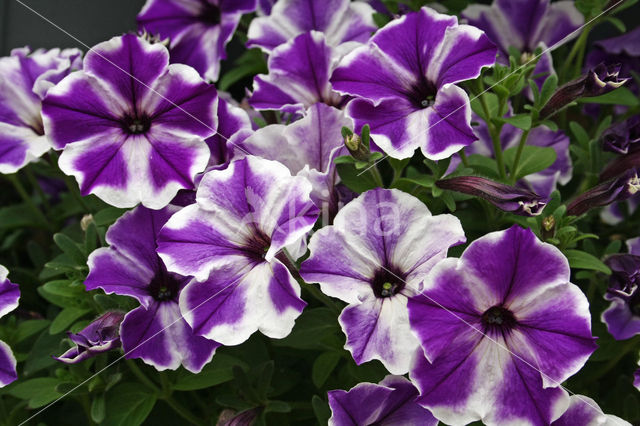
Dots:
(404, 80)
(622, 317)
(198, 30)
(299, 72)
(25, 78)
(622, 136)
(231, 120)
(500, 328)
(374, 257)
(132, 126)
(155, 331)
(390, 402)
(9, 296)
(101, 335)
(584, 411)
(342, 21)
(508, 198)
(527, 25)
(232, 242)
(622, 50)
(307, 147)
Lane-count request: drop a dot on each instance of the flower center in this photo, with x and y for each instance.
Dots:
(387, 282)
(164, 285)
(258, 245)
(136, 125)
(210, 14)
(498, 318)
(423, 94)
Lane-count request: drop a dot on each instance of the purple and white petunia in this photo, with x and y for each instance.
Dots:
(500, 329)
(25, 78)
(231, 120)
(232, 242)
(101, 335)
(198, 30)
(342, 21)
(404, 80)
(299, 72)
(132, 126)
(527, 25)
(155, 331)
(584, 411)
(390, 403)
(374, 257)
(9, 296)
(307, 147)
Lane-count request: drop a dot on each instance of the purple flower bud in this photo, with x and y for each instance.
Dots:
(617, 189)
(622, 317)
(625, 276)
(621, 136)
(102, 335)
(597, 81)
(508, 198)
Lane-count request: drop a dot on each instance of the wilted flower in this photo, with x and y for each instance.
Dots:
(9, 296)
(198, 30)
(299, 72)
(25, 78)
(622, 136)
(341, 21)
(102, 335)
(501, 328)
(584, 411)
(622, 317)
(404, 80)
(597, 81)
(616, 189)
(508, 198)
(374, 257)
(155, 331)
(231, 241)
(132, 126)
(391, 403)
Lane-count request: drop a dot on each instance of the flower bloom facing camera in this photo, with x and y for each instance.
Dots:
(501, 328)
(9, 295)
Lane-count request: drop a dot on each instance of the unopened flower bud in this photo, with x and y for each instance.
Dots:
(356, 148)
(621, 136)
(617, 189)
(508, 198)
(100, 336)
(86, 220)
(597, 81)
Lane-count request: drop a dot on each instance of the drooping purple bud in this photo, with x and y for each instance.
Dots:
(597, 81)
(508, 198)
(102, 335)
(616, 189)
(625, 274)
(621, 136)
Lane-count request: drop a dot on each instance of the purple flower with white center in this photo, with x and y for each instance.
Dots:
(390, 403)
(198, 30)
(101, 335)
(155, 331)
(9, 296)
(527, 25)
(25, 78)
(132, 126)
(508, 198)
(307, 147)
(404, 80)
(231, 120)
(584, 411)
(543, 182)
(342, 21)
(500, 329)
(298, 76)
(231, 241)
(374, 257)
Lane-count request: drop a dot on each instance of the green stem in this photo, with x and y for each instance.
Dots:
(141, 376)
(516, 160)
(375, 173)
(463, 157)
(27, 199)
(175, 405)
(75, 192)
(613, 362)
(494, 132)
(578, 49)
(34, 182)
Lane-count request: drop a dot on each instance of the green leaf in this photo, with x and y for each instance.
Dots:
(250, 63)
(483, 165)
(616, 23)
(18, 216)
(28, 328)
(620, 96)
(344, 159)
(323, 366)
(128, 404)
(533, 159)
(579, 133)
(107, 216)
(356, 180)
(40, 353)
(521, 121)
(310, 329)
(65, 318)
(321, 410)
(548, 88)
(38, 392)
(98, 408)
(219, 370)
(70, 248)
(582, 260)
